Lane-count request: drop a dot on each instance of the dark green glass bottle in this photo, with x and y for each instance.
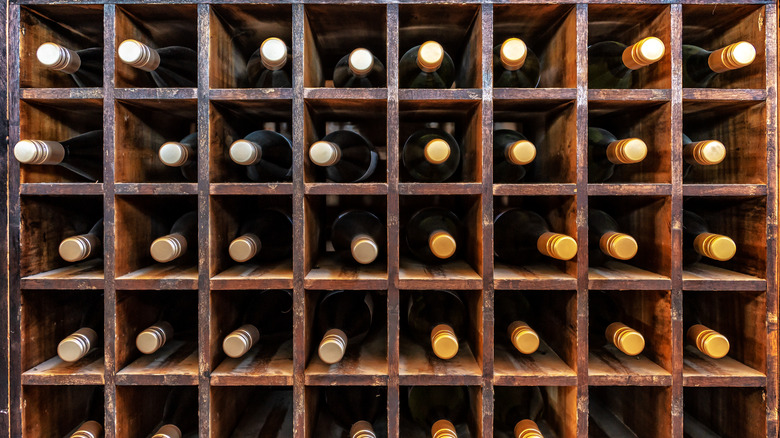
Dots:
(511, 152)
(605, 151)
(611, 64)
(515, 65)
(701, 66)
(431, 155)
(359, 69)
(426, 66)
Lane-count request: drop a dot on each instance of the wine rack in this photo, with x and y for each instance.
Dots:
(670, 390)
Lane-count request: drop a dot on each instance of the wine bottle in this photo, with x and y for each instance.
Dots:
(701, 153)
(522, 237)
(605, 151)
(171, 320)
(701, 66)
(512, 310)
(706, 340)
(82, 154)
(182, 154)
(358, 235)
(515, 65)
(359, 69)
(85, 67)
(698, 241)
(184, 233)
(431, 155)
(437, 318)
(267, 154)
(345, 155)
(426, 66)
(605, 316)
(268, 67)
(433, 233)
(266, 316)
(83, 246)
(88, 337)
(604, 231)
(173, 66)
(92, 426)
(440, 408)
(610, 63)
(180, 414)
(267, 237)
(355, 408)
(511, 152)
(517, 409)
(343, 319)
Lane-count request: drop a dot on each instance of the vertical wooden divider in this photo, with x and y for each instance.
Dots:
(4, 259)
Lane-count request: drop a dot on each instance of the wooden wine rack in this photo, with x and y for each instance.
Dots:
(139, 198)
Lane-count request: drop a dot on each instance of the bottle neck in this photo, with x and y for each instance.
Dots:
(732, 57)
(618, 245)
(362, 429)
(77, 248)
(88, 429)
(708, 341)
(715, 246)
(154, 337)
(244, 247)
(168, 248)
(443, 429)
(556, 245)
(58, 58)
(444, 342)
(523, 337)
(705, 153)
(626, 339)
(39, 152)
(241, 340)
(643, 53)
(442, 244)
(137, 54)
(77, 344)
(364, 250)
(273, 53)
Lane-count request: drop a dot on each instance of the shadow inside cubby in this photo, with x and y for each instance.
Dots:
(59, 410)
(707, 412)
(251, 411)
(553, 408)
(334, 409)
(629, 411)
(76, 27)
(141, 410)
(468, 423)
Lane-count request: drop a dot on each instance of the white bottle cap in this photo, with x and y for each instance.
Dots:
(173, 154)
(245, 152)
(361, 61)
(273, 53)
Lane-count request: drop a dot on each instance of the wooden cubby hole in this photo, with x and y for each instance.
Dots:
(56, 410)
(139, 409)
(265, 411)
(321, 422)
(468, 427)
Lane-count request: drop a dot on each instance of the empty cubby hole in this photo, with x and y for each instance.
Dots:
(138, 222)
(644, 411)
(549, 31)
(233, 120)
(556, 419)
(58, 120)
(366, 117)
(647, 121)
(712, 28)
(48, 220)
(417, 357)
(140, 409)
(49, 410)
(138, 310)
(468, 423)
(76, 27)
(552, 127)
(457, 27)
(157, 26)
(262, 411)
(741, 127)
(711, 411)
(327, 39)
(330, 408)
(553, 316)
(143, 126)
(237, 31)
(627, 25)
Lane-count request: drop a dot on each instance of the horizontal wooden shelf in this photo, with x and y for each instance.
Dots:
(155, 93)
(176, 363)
(629, 189)
(419, 366)
(262, 365)
(84, 275)
(60, 93)
(702, 370)
(543, 367)
(251, 188)
(451, 275)
(366, 365)
(723, 94)
(544, 277)
(535, 94)
(345, 93)
(156, 188)
(65, 189)
(617, 275)
(701, 276)
(331, 273)
(617, 95)
(439, 188)
(724, 190)
(252, 276)
(86, 371)
(608, 366)
(345, 189)
(251, 94)
(474, 94)
(160, 276)
(534, 189)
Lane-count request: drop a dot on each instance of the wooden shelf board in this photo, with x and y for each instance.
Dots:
(156, 188)
(447, 94)
(542, 277)
(454, 188)
(331, 273)
(85, 188)
(627, 189)
(86, 371)
(176, 363)
(250, 93)
(156, 93)
(253, 276)
(510, 367)
(262, 365)
(160, 276)
(251, 188)
(618, 275)
(617, 95)
(60, 93)
(345, 93)
(84, 275)
(325, 188)
(365, 364)
(451, 275)
(534, 94)
(724, 190)
(418, 365)
(535, 189)
(702, 370)
(723, 94)
(701, 276)
(609, 366)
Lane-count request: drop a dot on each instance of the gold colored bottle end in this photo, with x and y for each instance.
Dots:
(627, 151)
(513, 52)
(442, 244)
(324, 153)
(732, 57)
(245, 152)
(437, 151)
(173, 154)
(708, 341)
(618, 245)
(364, 249)
(39, 152)
(521, 152)
(527, 429)
(715, 246)
(556, 245)
(154, 337)
(333, 346)
(444, 342)
(168, 248)
(76, 345)
(707, 153)
(362, 429)
(137, 54)
(245, 247)
(626, 339)
(273, 53)
(58, 58)
(89, 429)
(430, 55)
(645, 52)
(443, 429)
(361, 61)
(77, 248)
(240, 341)
(168, 431)
(523, 337)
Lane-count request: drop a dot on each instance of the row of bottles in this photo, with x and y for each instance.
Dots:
(427, 65)
(429, 155)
